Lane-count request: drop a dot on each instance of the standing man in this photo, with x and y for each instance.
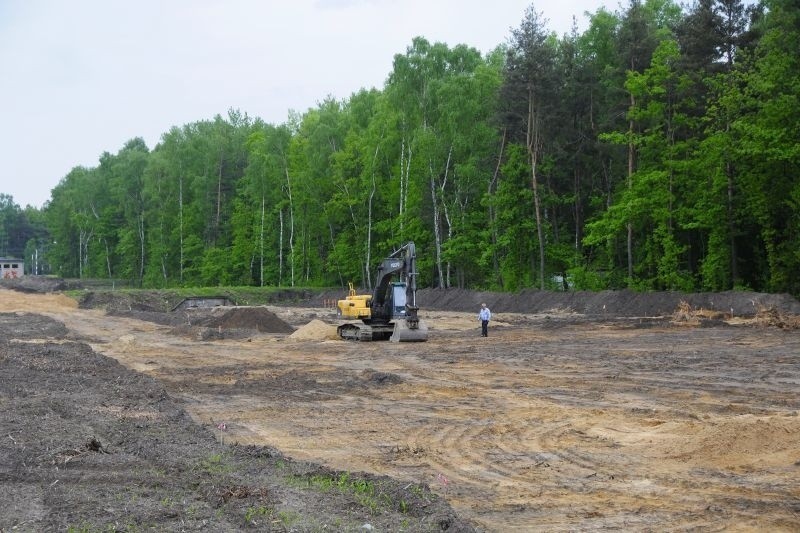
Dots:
(484, 316)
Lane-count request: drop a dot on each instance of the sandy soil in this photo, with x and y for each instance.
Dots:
(551, 423)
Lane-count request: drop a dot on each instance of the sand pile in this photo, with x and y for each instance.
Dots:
(34, 303)
(253, 318)
(316, 330)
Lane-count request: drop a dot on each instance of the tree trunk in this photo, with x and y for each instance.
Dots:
(731, 225)
(219, 202)
(405, 173)
(261, 242)
(493, 215)
(141, 248)
(402, 174)
(108, 258)
(533, 138)
(291, 225)
(369, 219)
(437, 234)
(83, 250)
(446, 212)
(631, 154)
(180, 220)
(164, 258)
(280, 249)
(105, 242)
(578, 208)
(80, 254)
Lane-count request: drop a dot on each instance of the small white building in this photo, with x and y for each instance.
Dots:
(11, 268)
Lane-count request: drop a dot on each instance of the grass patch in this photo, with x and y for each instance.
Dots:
(362, 491)
(288, 518)
(214, 464)
(252, 514)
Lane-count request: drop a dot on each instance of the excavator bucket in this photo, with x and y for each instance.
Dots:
(403, 332)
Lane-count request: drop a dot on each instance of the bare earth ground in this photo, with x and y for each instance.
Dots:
(89, 445)
(557, 421)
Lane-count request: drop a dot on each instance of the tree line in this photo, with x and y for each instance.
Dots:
(659, 149)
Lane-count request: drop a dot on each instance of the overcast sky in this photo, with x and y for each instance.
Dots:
(82, 77)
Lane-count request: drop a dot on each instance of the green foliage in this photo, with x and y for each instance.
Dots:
(585, 279)
(23, 235)
(656, 138)
(363, 491)
(253, 513)
(214, 464)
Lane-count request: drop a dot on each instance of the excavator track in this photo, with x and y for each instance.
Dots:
(394, 331)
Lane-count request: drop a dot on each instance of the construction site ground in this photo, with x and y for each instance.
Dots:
(679, 418)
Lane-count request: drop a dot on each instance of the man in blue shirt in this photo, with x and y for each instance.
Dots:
(484, 316)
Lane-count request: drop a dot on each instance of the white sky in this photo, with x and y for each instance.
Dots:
(82, 77)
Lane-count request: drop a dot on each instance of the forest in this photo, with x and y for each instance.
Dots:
(658, 149)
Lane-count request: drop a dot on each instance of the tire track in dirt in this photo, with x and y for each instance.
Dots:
(470, 445)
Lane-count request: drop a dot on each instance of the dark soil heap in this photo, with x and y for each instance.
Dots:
(252, 318)
(34, 284)
(622, 303)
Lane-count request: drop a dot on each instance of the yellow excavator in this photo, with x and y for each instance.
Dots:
(390, 312)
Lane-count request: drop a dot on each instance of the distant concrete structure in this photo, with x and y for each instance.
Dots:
(204, 301)
(11, 268)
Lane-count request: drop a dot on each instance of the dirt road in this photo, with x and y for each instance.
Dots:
(551, 423)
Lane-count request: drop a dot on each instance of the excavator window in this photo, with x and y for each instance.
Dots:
(398, 299)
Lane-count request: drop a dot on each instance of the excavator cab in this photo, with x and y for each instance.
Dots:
(398, 300)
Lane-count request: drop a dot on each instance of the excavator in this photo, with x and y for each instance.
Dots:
(390, 312)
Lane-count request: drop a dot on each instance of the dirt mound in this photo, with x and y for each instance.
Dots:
(253, 318)
(41, 284)
(20, 301)
(316, 330)
(623, 303)
(122, 301)
(381, 378)
(27, 326)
